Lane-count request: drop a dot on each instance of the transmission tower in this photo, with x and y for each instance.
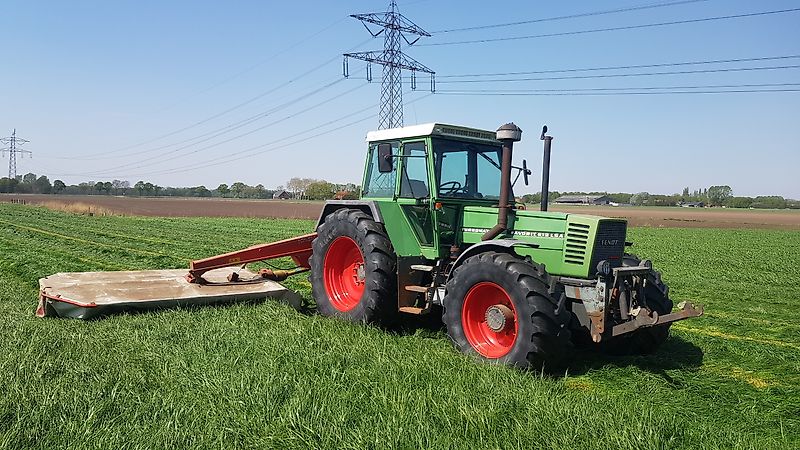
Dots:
(394, 27)
(13, 141)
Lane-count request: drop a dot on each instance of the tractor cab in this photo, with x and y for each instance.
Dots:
(427, 174)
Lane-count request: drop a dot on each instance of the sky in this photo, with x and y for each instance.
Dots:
(187, 93)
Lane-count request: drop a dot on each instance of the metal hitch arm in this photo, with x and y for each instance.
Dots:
(298, 248)
(642, 319)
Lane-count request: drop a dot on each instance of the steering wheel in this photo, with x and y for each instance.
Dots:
(450, 187)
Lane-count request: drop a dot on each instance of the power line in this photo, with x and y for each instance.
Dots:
(260, 63)
(640, 88)
(205, 137)
(571, 16)
(159, 160)
(738, 91)
(250, 154)
(621, 75)
(627, 27)
(636, 66)
(215, 116)
(255, 150)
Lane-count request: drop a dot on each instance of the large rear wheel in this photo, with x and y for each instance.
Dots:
(499, 308)
(353, 268)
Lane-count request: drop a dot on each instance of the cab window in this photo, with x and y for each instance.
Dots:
(377, 184)
(414, 175)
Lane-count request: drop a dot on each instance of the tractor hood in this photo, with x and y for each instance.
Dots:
(568, 244)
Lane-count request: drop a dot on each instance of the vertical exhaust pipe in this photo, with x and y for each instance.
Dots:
(507, 134)
(545, 169)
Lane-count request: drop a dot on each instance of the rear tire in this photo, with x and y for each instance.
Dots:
(649, 339)
(499, 308)
(353, 268)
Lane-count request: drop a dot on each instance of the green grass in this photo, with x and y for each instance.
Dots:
(261, 376)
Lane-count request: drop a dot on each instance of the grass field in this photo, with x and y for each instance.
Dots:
(255, 376)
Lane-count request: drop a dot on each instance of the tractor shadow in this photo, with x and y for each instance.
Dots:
(675, 354)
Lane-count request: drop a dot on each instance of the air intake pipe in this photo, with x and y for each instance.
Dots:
(507, 134)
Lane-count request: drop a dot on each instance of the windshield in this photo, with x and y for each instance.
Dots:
(467, 170)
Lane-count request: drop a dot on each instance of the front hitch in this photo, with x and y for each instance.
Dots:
(643, 319)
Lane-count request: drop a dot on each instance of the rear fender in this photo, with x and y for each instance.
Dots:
(366, 206)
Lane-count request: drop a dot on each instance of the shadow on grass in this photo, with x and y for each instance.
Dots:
(675, 354)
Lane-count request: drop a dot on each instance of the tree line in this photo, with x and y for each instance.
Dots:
(297, 188)
(314, 189)
(718, 196)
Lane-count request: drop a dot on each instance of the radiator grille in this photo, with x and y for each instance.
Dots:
(576, 243)
(608, 244)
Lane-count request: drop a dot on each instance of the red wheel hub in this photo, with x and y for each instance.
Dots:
(489, 320)
(344, 273)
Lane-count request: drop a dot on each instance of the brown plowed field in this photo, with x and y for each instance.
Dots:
(197, 207)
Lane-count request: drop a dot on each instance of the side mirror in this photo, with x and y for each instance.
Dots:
(385, 158)
(525, 171)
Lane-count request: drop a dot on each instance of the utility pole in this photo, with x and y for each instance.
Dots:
(13, 141)
(394, 26)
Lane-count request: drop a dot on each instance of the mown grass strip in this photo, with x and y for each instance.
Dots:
(719, 334)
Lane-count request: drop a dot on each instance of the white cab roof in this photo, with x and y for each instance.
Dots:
(427, 129)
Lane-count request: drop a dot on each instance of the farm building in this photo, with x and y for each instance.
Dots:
(281, 195)
(583, 200)
(693, 205)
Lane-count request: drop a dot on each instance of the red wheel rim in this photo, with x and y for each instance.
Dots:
(486, 341)
(343, 273)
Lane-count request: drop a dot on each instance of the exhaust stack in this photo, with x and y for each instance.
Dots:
(545, 169)
(507, 134)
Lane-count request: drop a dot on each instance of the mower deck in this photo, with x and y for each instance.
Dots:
(88, 295)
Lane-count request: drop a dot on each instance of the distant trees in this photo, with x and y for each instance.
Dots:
(8, 185)
(739, 202)
(42, 185)
(717, 195)
(770, 201)
(320, 190)
(58, 186)
(298, 186)
(313, 189)
(237, 189)
(641, 198)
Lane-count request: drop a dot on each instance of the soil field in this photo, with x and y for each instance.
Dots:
(215, 207)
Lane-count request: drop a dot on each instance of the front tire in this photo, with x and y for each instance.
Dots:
(353, 268)
(499, 308)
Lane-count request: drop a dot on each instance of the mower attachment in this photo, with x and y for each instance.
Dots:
(298, 248)
(89, 295)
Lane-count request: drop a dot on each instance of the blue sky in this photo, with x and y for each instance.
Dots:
(103, 89)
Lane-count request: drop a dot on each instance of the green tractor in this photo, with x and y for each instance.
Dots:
(437, 231)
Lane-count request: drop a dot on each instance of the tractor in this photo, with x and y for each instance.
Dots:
(437, 231)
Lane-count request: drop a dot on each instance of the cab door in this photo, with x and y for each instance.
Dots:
(414, 193)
